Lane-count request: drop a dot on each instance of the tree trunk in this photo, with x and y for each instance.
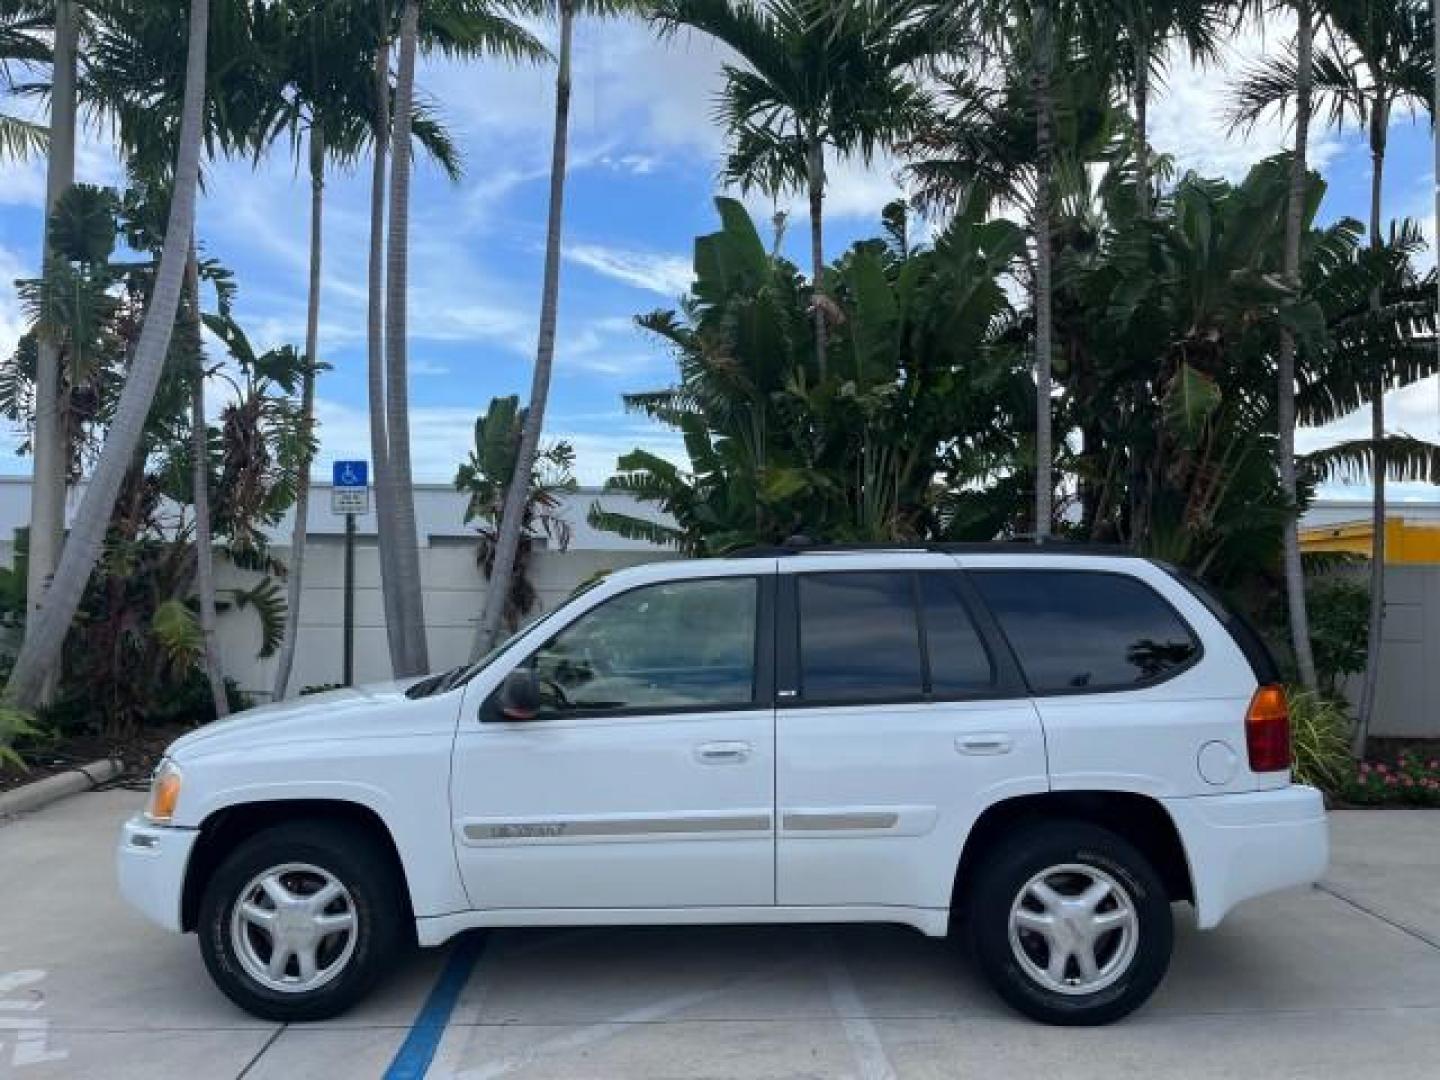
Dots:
(200, 480)
(1142, 114)
(815, 182)
(1379, 121)
(40, 653)
(50, 445)
(296, 578)
(1044, 483)
(507, 542)
(1285, 397)
(406, 564)
(375, 382)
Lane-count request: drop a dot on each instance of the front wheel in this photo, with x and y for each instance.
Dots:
(1071, 924)
(300, 920)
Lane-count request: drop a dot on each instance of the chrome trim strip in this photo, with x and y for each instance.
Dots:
(546, 830)
(839, 822)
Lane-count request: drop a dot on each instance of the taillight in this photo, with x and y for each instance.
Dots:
(1267, 730)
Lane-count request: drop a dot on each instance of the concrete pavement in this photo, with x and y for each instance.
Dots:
(1340, 980)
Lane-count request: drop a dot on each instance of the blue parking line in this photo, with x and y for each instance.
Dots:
(412, 1060)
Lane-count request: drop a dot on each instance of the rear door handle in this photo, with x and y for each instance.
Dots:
(990, 742)
(723, 753)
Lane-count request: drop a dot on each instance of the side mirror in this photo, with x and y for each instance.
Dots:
(519, 697)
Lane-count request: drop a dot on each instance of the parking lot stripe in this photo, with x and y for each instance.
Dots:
(854, 1017)
(412, 1060)
(1418, 935)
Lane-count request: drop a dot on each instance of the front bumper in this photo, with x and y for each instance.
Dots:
(150, 862)
(1249, 844)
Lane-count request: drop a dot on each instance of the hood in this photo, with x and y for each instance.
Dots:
(353, 711)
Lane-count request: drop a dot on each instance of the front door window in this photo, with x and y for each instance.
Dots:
(671, 646)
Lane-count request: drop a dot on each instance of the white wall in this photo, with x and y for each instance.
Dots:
(1407, 701)
(454, 589)
(454, 593)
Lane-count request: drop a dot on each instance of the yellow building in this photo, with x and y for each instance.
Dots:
(1406, 542)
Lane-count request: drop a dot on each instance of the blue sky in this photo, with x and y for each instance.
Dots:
(644, 152)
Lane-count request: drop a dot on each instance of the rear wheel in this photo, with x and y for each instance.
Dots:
(300, 920)
(1071, 924)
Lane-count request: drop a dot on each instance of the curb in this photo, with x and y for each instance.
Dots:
(33, 796)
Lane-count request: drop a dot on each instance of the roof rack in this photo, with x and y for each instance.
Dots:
(1049, 545)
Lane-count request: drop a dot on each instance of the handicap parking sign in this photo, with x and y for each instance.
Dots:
(350, 493)
(352, 474)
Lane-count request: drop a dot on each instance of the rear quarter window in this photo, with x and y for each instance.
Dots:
(1079, 631)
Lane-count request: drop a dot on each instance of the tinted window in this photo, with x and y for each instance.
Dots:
(679, 644)
(1077, 630)
(859, 638)
(959, 662)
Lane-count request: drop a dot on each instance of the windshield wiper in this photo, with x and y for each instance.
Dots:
(437, 684)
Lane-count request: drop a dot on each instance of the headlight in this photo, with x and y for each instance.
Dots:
(164, 792)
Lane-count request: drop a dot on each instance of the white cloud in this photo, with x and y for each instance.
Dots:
(12, 322)
(22, 183)
(613, 347)
(668, 275)
(454, 297)
(426, 368)
(1411, 410)
(1188, 114)
(441, 436)
(1420, 205)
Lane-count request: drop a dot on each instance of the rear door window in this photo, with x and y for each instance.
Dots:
(959, 662)
(859, 638)
(1078, 630)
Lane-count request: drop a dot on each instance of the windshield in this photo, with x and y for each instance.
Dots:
(456, 677)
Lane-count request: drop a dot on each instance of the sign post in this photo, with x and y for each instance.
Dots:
(350, 495)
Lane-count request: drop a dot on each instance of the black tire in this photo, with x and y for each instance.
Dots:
(352, 858)
(1016, 861)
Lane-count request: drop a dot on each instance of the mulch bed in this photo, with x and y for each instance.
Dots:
(138, 753)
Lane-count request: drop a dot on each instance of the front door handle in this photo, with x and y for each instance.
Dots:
(990, 742)
(723, 753)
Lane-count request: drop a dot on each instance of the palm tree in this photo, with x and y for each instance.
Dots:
(1144, 29)
(326, 102)
(405, 559)
(200, 496)
(461, 28)
(375, 341)
(337, 66)
(1038, 36)
(47, 490)
(144, 100)
(507, 542)
(1042, 57)
(24, 26)
(818, 75)
(40, 653)
(1285, 396)
(1378, 58)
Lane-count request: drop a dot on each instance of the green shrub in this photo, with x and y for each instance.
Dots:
(14, 725)
(1319, 741)
(1339, 627)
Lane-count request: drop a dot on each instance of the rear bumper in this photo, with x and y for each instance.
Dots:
(150, 861)
(1240, 846)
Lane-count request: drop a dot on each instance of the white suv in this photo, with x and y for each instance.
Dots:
(1041, 749)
